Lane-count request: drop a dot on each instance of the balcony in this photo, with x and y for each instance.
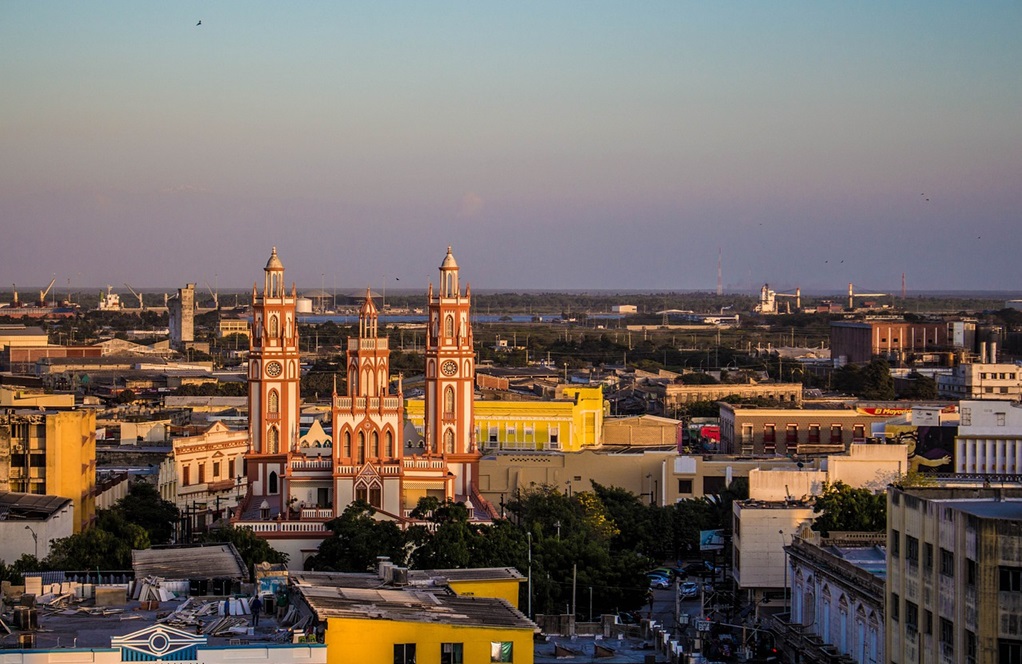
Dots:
(312, 464)
(311, 528)
(317, 513)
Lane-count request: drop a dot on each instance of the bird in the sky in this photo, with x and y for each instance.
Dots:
(198, 24)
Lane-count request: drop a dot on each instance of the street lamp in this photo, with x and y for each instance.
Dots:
(35, 539)
(529, 536)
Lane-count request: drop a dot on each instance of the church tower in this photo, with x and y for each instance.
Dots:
(367, 423)
(273, 384)
(450, 377)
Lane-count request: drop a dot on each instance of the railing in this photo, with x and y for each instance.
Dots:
(283, 527)
(420, 464)
(317, 513)
(310, 464)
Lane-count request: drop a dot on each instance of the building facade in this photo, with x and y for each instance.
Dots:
(954, 561)
(989, 439)
(51, 453)
(981, 381)
(181, 317)
(792, 431)
(858, 343)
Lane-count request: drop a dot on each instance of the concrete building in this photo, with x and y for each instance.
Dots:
(51, 453)
(745, 430)
(954, 564)
(858, 343)
(981, 381)
(12, 336)
(412, 620)
(836, 585)
(181, 313)
(642, 431)
(760, 531)
(989, 439)
(31, 523)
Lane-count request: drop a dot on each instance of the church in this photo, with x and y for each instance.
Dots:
(295, 487)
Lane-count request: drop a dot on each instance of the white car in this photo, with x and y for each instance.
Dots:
(688, 589)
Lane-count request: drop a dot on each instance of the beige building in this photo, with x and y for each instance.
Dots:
(674, 395)
(642, 431)
(19, 335)
(792, 431)
(954, 573)
(23, 397)
(760, 532)
(206, 470)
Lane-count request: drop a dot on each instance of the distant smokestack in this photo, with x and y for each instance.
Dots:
(903, 285)
(798, 299)
(851, 297)
(982, 352)
(993, 352)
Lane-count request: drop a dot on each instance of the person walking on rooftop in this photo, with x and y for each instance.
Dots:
(256, 607)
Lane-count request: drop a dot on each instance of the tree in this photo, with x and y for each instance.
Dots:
(449, 543)
(842, 508)
(144, 507)
(106, 545)
(357, 539)
(877, 382)
(920, 387)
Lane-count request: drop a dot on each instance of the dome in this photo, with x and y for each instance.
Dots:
(449, 261)
(274, 262)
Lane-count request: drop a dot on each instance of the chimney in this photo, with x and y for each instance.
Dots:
(982, 352)
(993, 352)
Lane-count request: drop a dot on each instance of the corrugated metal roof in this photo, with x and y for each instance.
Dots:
(210, 561)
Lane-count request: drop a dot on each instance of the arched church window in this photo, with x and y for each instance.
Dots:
(449, 326)
(361, 447)
(273, 402)
(346, 444)
(272, 484)
(274, 327)
(362, 493)
(376, 496)
(272, 441)
(388, 444)
(375, 438)
(449, 441)
(449, 401)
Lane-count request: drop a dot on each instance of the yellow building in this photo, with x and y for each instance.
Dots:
(408, 622)
(573, 420)
(51, 453)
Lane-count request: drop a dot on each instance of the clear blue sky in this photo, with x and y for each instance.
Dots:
(554, 144)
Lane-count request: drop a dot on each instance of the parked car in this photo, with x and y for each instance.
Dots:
(657, 581)
(700, 568)
(688, 589)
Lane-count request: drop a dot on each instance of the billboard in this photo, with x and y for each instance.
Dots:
(930, 449)
(711, 540)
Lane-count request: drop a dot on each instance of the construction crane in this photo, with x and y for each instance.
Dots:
(216, 296)
(141, 305)
(852, 295)
(44, 293)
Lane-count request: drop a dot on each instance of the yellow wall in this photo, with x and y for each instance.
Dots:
(528, 425)
(505, 589)
(347, 640)
(71, 461)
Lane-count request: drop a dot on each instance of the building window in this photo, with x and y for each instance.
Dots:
(449, 401)
(554, 437)
(791, 434)
(928, 624)
(272, 441)
(452, 653)
(928, 556)
(970, 572)
(858, 431)
(202, 473)
(388, 442)
(216, 470)
(449, 326)
(492, 432)
(404, 653)
(685, 486)
(230, 469)
(1000, 416)
(947, 637)
(186, 476)
(375, 438)
(895, 544)
(966, 417)
(272, 487)
(814, 433)
(346, 444)
(912, 549)
(1009, 652)
(970, 647)
(1010, 579)
(376, 496)
(895, 607)
(273, 402)
(835, 434)
(769, 433)
(449, 441)
(501, 651)
(947, 562)
(911, 616)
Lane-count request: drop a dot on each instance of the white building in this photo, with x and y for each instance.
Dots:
(31, 522)
(989, 439)
(981, 381)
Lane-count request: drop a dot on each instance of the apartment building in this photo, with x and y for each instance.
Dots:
(954, 563)
(745, 430)
(981, 381)
(989, 439)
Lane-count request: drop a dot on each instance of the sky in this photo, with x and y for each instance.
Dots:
(555, 145)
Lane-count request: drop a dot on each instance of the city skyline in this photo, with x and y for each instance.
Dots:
(575, 146)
